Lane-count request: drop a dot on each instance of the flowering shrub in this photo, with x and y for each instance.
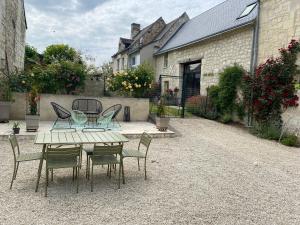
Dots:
(134, 82)
(272, 88)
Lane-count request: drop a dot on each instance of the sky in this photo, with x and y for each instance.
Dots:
(94, 26)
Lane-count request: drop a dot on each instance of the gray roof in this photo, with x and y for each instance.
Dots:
(216, 20)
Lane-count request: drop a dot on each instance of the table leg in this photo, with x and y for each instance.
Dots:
(40, 169)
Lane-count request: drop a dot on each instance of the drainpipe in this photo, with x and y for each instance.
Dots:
(254, 56)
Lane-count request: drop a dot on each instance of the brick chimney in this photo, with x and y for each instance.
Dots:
(135, 29)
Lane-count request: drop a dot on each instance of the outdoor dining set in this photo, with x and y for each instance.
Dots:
(63, 148)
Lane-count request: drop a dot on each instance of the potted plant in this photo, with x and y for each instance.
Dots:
(16, 127)
(5, 99)
(32, 116)
(162, 122)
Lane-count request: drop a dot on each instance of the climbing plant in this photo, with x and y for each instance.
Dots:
(272, 88)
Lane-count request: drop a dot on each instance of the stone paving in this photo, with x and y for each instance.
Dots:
(210, 174)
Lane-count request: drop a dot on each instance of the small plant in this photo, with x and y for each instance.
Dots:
(161, 110)
(33, 100)
(226, 118)
(16, 125)
(290, 140)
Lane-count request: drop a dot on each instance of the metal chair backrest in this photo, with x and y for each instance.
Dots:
(63, 153)
(60, 111)
(107, 150)
(106, 118)
(14, 145)
(116, 108)
(145, 141)
(87, 105)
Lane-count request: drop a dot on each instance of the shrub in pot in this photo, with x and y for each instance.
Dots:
(32, 116)
(16, 127)
(5, 99)
(162, 122)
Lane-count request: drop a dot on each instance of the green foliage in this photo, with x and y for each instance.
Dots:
(290, 140)
(161, 112)
(297, 87)
(61, 52)
(70, 76)
(226, 118)
(133, 82)
(33, 100)
(16, 124)
(266, 131)
(224, 95)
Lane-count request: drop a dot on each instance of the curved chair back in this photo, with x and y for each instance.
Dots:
(14, 145)
(60, 111)
(106, 118)
(145, 141)
(107, 150)
(87, 105)
(116, 108)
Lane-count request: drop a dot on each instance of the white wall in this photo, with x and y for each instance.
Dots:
(139, 108)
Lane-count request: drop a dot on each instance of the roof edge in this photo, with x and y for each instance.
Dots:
(207, 37)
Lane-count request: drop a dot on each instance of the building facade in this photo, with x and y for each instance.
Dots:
(12, 35)
(143, 43)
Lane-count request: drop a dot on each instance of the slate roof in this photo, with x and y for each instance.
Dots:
(216, 20)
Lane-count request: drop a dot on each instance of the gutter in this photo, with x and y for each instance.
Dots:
(208, 37)
(255, 39)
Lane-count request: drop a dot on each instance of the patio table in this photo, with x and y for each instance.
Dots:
(78, 137)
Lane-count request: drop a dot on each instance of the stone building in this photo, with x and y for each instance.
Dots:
(12, 35)
(143, 43)
(206, 44)
(245, 32)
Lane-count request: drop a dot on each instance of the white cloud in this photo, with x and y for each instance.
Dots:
(94, 26)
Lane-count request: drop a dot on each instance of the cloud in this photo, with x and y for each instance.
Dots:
(94, 26)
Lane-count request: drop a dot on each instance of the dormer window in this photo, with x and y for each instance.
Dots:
(247, 10)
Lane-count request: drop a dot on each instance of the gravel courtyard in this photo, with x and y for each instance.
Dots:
(211, 174)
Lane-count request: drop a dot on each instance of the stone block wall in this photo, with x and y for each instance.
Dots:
(279, 23)
(12, 35)
(215, 54)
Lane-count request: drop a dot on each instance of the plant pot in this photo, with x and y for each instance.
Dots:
(16, 130)
(4, 111)
(162, 123)
(32, 122)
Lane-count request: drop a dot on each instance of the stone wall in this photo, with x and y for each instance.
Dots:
(139, 108)
(215, 53)
(279, 23)
(12, 35)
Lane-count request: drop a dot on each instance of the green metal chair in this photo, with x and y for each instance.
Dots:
(78, 117)
(63, 157)
(105, 155)
(105, 120)
(18, 157)
(139, 153)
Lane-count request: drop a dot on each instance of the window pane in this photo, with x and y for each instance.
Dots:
(248, 9)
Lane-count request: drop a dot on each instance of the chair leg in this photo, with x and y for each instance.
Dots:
(120, 165)
(145, 167)
(107, 173)
(87, 167)
(110, 166)
(51, 174)
(138, 159)
(77, 169)
(47, 173)
(123, 171)
(73, 177)
(13, 176)
(16, 170)
(92, 178)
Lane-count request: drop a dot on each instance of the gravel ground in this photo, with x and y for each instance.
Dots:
(212, 174)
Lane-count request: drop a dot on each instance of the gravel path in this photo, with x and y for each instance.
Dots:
(212, 174)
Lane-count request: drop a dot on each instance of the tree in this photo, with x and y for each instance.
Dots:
(61, 52)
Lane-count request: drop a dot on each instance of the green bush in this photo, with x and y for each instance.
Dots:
(267, 131)
(226, 118)
(224, 95)
(61, 52)
(290, 140)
